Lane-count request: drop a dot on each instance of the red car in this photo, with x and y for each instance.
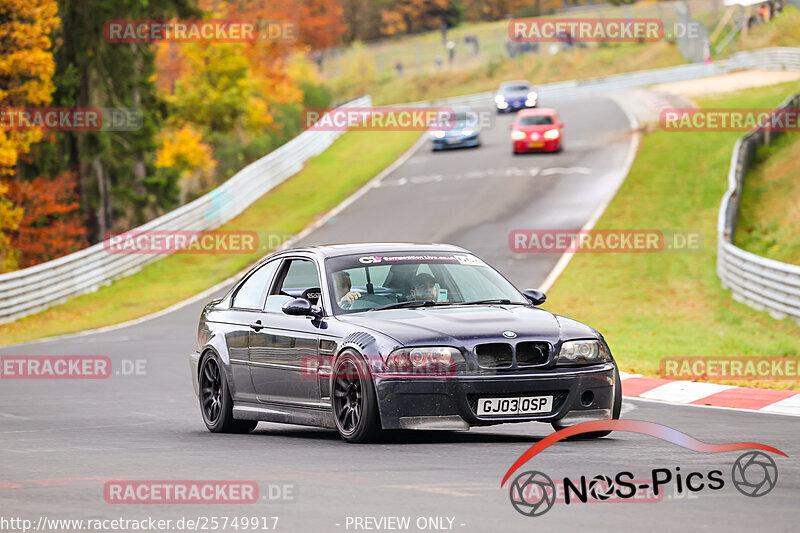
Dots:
(536, 130)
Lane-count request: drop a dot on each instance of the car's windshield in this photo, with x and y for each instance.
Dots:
(536, 120)
(365, 282)
(463, 119)
(514, 87)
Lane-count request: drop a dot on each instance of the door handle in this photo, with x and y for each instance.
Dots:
(256, 326)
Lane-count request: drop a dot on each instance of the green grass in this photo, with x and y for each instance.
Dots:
(325, 181)
(365, 67)
(650, 306)
(769, 216)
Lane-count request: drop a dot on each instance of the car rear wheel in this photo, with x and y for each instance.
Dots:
(616, 410)
(355, 406)
(216, 404)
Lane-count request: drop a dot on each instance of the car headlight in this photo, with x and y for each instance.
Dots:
(533, 96)
(518, 135)
(551, 134)
(499, 99)
(438, 134)
(467, 132)
(577, 352)
(426, 361)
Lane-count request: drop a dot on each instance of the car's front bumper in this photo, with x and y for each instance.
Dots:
(451, 402)
(545, 145)
(455, 142)
(514, 105)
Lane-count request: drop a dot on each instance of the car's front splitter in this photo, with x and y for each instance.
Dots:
(452, 402)
(462, 143)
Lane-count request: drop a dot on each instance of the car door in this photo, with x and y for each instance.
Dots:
(246, 309)
(283, 348)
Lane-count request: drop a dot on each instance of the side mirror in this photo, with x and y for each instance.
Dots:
(560, 124)
(301, 307)
(511, 126)
(534, 296)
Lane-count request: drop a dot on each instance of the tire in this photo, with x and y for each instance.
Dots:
(353, 399)
(616, 410)
(216, 404)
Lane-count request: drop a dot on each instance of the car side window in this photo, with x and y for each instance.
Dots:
(251, 293)
(299, 278)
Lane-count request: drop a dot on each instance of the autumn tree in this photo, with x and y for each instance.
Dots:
(26, 71)
(51, 224)
(403, 16)
(115, 174)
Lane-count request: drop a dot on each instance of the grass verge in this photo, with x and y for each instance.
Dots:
(580, 63)
(324, 182)
(650, 306)
(768, 210)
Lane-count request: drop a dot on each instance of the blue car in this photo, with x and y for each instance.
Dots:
(515, 95)
(460, 132)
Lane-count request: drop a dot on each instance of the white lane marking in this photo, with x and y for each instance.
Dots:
(633, 148)
(787, 406)
(624, 375)
(484, 174)
(627, 408)
(9, 416)
(684, 391)
(565, 170)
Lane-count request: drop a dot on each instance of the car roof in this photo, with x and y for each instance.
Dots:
(336, 250)
(536, 111)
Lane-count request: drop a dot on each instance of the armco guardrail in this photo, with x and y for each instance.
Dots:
(29, 290)
(761, 283)
(26, 291)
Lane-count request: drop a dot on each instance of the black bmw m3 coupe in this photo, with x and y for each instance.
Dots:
(370, 337)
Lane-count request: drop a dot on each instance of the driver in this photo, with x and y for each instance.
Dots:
(341, 289)
(424, 287)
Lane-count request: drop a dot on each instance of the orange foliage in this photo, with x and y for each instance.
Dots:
(26, 68)
(51, 224)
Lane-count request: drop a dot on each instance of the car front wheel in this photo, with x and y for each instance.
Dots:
(216, 404)
(355, 406)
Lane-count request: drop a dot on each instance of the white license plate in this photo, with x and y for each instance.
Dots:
(525, 405)
(453, 141)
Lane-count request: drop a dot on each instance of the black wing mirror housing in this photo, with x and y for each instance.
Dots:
(301, 307)
(534, 296)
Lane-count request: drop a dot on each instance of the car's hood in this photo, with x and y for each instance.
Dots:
(469, 324)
